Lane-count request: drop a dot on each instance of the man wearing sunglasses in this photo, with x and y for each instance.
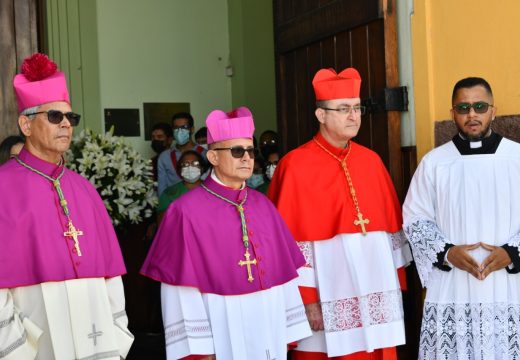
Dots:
(345, 216)
(61, 294)
(226, 260)
(462, 219)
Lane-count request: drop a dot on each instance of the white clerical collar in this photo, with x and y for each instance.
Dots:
(217, 180)
(475, 144)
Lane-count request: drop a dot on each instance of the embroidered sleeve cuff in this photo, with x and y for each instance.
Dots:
(512, 251)
(442, 262)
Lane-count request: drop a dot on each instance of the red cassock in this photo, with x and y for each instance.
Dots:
(311, 191)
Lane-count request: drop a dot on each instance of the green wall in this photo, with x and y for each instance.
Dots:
(252, 56)
(121, 53)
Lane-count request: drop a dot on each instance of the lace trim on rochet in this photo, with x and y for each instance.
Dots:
(398, 240)
(470, 331)
(363, 311)
(426, 241)
(308, 252)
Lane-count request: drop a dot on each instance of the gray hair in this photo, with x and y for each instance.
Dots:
(30, 110)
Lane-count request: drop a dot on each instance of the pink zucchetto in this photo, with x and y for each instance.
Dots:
(236, 124)
(39, 83)
(328, 85)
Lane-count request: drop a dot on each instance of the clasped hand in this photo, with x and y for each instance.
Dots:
(496, 260)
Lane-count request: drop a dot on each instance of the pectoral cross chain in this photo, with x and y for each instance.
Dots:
(248, 263)
(74, 233)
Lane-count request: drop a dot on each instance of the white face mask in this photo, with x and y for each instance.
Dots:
(270, 171)
(191, 174)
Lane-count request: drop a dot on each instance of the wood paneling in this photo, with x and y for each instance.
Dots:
(19, 32)
(298, 25)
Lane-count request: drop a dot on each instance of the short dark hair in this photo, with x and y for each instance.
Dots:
(183, 115)
(199, 157)
(6, 145)
(322, 103)
(166, 128)
(202, 132)
(470, 82)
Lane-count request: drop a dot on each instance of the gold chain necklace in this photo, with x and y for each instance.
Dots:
(359, 221)
(72, 231)
(245, 238)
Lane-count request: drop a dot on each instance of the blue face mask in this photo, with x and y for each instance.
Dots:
(255, 181)
(182, 136)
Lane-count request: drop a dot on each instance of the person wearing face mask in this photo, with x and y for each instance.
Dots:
(183, 126)
(201, 137)
(162, 138)
(191, 166)
(257, 178)
(272, 159)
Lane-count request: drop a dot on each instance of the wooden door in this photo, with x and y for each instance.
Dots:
(21, 24)
(315, 34)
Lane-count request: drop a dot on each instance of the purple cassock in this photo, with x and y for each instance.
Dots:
(33, 249)
(199, 243)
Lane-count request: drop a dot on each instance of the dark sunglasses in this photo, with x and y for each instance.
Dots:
(480, 107)
(238, 151)
(56, 116)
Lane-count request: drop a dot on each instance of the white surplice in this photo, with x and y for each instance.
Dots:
(359, 291)
(74, 319)
(465, 199)
(256, 326)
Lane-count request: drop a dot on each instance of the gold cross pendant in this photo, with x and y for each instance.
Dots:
(74, 233)
(248, 263)
(361, 222)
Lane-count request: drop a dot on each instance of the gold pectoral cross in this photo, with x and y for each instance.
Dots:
(361, 222)
(248, 263)
(74, 233)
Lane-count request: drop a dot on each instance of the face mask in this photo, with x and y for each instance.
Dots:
(255, 181)
(191, 174)
(182, 136)
(270, 171)
(158, 146)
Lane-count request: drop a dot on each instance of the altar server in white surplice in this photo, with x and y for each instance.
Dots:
(462, 219)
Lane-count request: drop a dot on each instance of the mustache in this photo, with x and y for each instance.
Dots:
(473, 122)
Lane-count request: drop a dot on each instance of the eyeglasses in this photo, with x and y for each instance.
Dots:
(346, 109)
(238, 151)
(56, 116)
(480, 107)
(190, 163)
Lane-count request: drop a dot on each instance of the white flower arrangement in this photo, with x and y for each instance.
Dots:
(120, 174)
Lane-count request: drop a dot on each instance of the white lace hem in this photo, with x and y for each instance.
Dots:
(362, 311)
(470, 331)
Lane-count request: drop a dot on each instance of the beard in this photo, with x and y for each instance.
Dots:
(475, 137)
